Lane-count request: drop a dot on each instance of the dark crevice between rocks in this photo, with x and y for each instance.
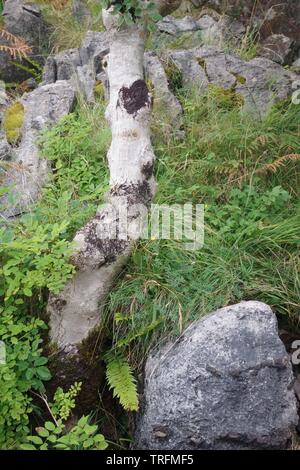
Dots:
(88, 367)
(32, 12)
(202, 64)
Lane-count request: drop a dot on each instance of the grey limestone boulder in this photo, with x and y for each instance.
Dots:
(43, 107)
(279, 48)
(226, 383)
(260, 81)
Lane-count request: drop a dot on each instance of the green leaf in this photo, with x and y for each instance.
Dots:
(128, 18)
(40, 361)
(121, 380)
(35, 439)
(27, 447)
(50, 426)
(88, 443)
(151, 27)
(155, 16)
(83, 421)
(42, 432)
(43, 373)
(29, 374)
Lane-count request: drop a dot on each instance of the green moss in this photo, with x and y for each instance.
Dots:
(227, 99)
(239, 78)
(13, 122)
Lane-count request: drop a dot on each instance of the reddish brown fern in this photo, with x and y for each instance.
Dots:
(16, 47)
(267, 168)
(278, 163)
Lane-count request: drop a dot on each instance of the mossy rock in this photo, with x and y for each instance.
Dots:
(13, 122)
(225, 98)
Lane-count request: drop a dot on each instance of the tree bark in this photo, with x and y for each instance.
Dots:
(101, 249)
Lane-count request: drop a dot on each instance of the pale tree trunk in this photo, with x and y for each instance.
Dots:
(76, 312)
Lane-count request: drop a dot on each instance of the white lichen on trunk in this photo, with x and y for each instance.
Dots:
(76, 311)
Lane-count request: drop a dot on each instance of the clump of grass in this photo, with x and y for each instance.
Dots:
(252, 225)
(174, 75)
(247, 47)
(67, 31)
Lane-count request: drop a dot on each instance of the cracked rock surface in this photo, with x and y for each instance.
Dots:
(260, 81)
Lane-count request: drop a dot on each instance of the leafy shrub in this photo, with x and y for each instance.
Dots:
(25, 370)
(77, 148)
(34, 257)
(57, 435)
(83, 436)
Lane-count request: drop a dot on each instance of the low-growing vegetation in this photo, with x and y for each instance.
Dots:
(246, 173)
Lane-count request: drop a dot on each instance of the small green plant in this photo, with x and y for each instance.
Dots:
(132, 11)
(25, 369)
(225, 98)
(57, 435)
(121, 380)
(32, 67)
(262, 209)
(64, 402)
(83, 436)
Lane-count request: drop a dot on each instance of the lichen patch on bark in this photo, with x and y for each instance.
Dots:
(109, 248)
(135, 97)
(136, 193)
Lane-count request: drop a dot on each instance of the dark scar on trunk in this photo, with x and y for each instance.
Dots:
(134, 98)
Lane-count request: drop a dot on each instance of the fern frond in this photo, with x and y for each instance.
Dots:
(269, 167)
(16, 47)
(121, 380)
(278, 163)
